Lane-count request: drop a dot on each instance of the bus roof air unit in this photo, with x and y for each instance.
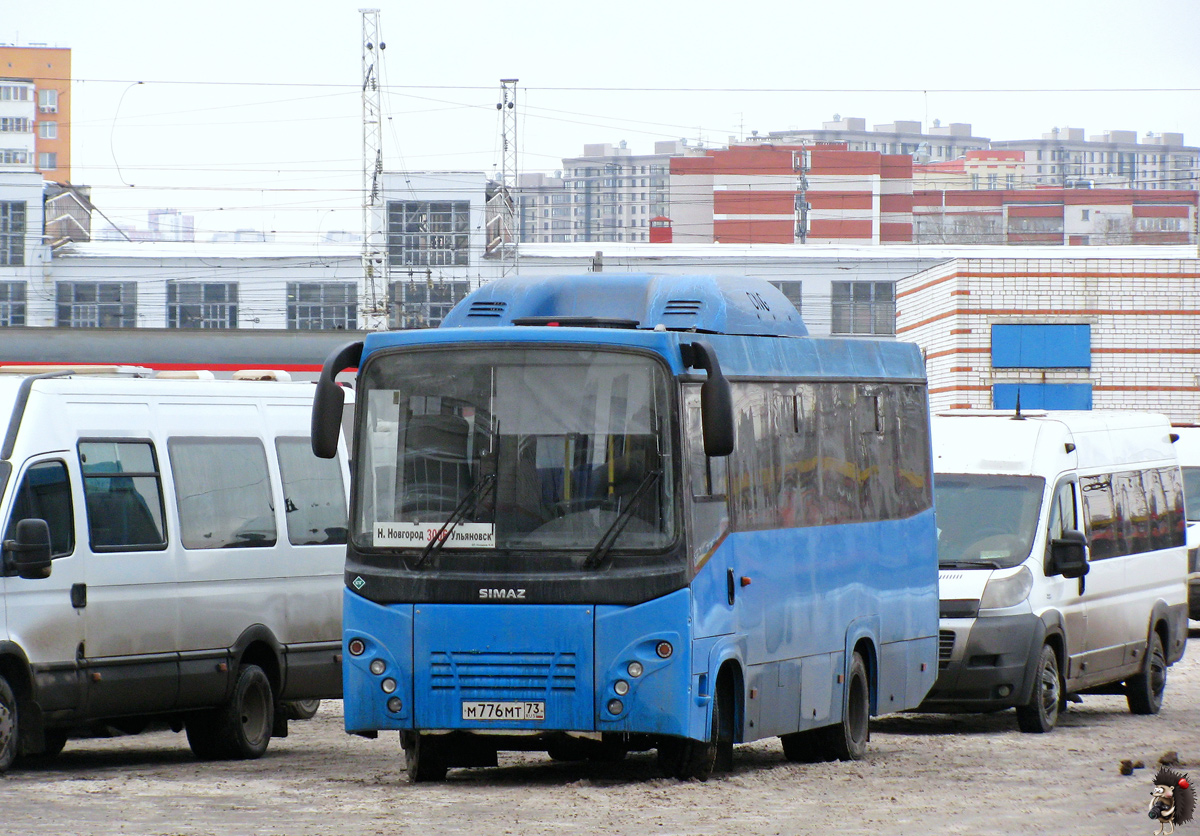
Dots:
(707, 304)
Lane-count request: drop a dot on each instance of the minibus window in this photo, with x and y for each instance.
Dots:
(45, 494)
(1191, 492)
(223, 492)
(313, 492)
(123, 494)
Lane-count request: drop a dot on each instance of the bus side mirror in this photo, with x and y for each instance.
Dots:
(329, 400)
(1068, 555)
(30, 551)
(716, 402)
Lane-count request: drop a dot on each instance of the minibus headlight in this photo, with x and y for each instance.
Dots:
(1007, 592)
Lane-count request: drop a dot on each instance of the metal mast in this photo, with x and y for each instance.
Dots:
(508, 175)
(373, 308)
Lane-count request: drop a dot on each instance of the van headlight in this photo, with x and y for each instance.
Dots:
(1001, 593)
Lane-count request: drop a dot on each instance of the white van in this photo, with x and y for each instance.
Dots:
(1063, 569)
(172, 553)
(1188, 447)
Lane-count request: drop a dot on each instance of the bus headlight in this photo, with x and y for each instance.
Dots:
(394, 705)
(378, 666)
(1007, 592)
(615, 706)
(621, 687)
(635, 669)
(388, 685)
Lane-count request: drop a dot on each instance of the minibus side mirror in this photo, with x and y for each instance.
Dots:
(1068, 555)
(29, 554)
(716, 402)
(329, 400)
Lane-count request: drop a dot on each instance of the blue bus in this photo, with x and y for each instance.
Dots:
(608, 513)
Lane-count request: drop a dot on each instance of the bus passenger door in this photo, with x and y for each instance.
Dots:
(713, 590)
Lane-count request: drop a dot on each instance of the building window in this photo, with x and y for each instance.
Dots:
(14, 125)
(12, 303)
(48, 101)
(12, 233)
(97, 304)
(426, 233)
(422, 303)
(863, 308)
(47, 160)
(47, 130)
(14, 93)
(321, 306)
(14, 156)
(792, 290)
(202, 304)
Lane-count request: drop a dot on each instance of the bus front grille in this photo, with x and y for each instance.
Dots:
(502, 674)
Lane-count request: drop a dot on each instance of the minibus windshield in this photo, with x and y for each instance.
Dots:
(984, 520)
(543, 448)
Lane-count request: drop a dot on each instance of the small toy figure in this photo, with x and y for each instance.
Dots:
(1172, 801)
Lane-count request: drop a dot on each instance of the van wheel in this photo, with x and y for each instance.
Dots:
(1144, 692)
(1040, 714)
(8, 726)
(422, 758)
(301, 709)
(847, 740)
(241, 729)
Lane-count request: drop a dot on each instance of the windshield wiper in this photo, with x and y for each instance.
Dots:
(968, 564)
(609, 538)
(435, 545)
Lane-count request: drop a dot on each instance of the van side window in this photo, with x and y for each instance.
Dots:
(1062, 513)
(1100, 516)
(223, 492)
(123, 493)
(313, 492)
(45, 494)
(1133, 511)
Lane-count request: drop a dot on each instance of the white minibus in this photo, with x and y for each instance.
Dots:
(172, 556)
(1062, 564)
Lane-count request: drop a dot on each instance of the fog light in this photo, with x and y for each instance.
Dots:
(635, 669)
(357, 647)
(378, 666)
(622, 687)
(1004, 690)
(615, 706)
(394, 705)
(388, 685)
(664, 650)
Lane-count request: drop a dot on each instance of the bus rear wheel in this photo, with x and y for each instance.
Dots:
(847, 740)
(422, 757)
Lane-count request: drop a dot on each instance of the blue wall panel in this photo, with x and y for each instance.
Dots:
(1042, 395)
(1041, 347)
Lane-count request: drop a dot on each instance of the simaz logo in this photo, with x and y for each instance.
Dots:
(515, 594)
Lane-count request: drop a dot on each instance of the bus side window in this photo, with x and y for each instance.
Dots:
(708, 509)
(45, 494)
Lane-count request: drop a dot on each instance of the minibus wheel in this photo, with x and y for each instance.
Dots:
(1144, 692)
(8, 726)
(1040, 714)
(241, 729)
(301, 709)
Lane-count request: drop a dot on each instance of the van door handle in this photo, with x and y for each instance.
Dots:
(79, 595)
(730, 586)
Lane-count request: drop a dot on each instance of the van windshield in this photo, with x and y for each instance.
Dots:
(1191, 492)
(986, 521)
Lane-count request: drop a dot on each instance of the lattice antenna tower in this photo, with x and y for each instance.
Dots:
(373, 310)
(508, 175)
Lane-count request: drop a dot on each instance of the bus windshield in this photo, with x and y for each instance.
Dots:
(515, 448)
(986, 521)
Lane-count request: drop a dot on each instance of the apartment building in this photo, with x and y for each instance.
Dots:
(940, 142)
(1113, 159)
(44, 73)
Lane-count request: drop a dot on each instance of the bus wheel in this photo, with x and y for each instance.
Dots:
(8, 726)
(1144, 692)
(847, 740)
(241, 729)
(685, 759)
(422, 760)
(802, 747)
(1040, 714)
(301, 709)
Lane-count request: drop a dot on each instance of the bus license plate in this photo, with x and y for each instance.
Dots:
(504, 711)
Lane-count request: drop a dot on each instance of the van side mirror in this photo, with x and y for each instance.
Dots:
(1068, 556)
(29, 553)
(329, 400)
(716, 402)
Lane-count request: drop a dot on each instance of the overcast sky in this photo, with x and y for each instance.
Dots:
(249, 114)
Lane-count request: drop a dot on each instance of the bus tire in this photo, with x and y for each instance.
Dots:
(847, 740)
(1144, 692)
(301, 709)
(422, 760)
(9, 726)
(241, 729)
(802, 747)
(1040, 714)
(686, 759)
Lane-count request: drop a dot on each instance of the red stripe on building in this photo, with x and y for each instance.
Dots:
(895, 233)
(895, 203)
(839, 200)
(754, 232)
(730, 202)
(1140, 211)
(1035, 211)
(840, 229)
